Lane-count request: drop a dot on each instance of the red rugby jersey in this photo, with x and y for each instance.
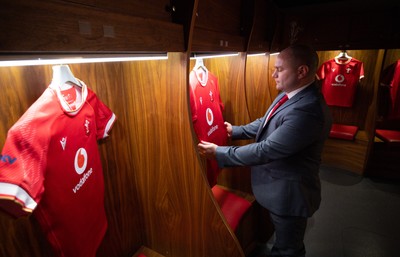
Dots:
(208, 121)
(391, 81)
(53, 168)
(340, 80)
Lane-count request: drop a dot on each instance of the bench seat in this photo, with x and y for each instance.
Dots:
(232, 205)
(389, 136)
(346, 132)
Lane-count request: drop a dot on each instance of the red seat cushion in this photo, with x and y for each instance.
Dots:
(232, 206)
(343, 131)
(391, 136)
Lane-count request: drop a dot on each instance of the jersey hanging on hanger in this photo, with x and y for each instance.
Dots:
(53, 168)
(390, 91)
(206, 107)
(340, 80)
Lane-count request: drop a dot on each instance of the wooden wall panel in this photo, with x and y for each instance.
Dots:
(218, 26)
(154, 9)
(391, 56)
(156, 194)
(179, 216)
(54, 26)
(260, 86)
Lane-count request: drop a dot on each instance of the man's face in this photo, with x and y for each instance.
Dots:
(285, 74)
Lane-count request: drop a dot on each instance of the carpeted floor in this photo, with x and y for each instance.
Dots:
(358, 217)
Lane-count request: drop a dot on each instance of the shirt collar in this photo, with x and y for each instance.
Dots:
(294, 92)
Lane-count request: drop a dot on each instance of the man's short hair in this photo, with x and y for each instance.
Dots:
(304, 54)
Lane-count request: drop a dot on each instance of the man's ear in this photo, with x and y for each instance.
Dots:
(302, 71)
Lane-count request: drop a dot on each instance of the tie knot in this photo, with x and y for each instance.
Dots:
(283, 99)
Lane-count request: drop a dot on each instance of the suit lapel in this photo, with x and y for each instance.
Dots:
(288, 103)
(262, 127)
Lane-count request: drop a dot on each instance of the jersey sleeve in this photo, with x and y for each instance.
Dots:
(361, 70)
(105, 118)
(23, 164)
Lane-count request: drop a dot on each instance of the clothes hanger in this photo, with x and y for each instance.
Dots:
(343, 56)
(62, 75)
(201, 71)
(199, 65)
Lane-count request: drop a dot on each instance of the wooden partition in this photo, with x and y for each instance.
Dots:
(156, 194)
(383, 160)
(260, 85)
(391, 56)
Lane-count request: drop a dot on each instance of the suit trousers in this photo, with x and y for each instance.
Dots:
(289, 236)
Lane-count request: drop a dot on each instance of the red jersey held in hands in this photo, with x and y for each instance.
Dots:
(206, 107)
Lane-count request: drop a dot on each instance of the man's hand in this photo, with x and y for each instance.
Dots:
(207, 149)
(228, 128)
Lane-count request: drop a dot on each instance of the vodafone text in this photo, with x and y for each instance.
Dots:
(7, 158)
(82, 180)
(212, 129)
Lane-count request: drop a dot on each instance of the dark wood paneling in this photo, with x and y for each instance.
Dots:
(31, 26)
(383, 161)
(337, 25)
(206, 40)
(221, 16)
(150, 9)
(391, 56)
(219, 27)
(263, 27)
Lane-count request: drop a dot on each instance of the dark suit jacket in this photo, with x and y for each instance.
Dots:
(286, 155)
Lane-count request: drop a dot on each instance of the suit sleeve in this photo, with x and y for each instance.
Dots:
(248, 131)
(299, 128)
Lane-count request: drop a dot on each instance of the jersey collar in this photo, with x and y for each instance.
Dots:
(64, 105)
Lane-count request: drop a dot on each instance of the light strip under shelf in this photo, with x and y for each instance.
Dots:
(205, 56)
(29, 61)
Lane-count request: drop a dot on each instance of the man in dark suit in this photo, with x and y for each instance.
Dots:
(286, 154)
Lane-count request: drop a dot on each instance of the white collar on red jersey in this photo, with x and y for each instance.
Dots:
(64, 104)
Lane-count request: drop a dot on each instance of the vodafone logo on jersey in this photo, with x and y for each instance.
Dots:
(209, 116)
(81, 159)
(339, 78)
